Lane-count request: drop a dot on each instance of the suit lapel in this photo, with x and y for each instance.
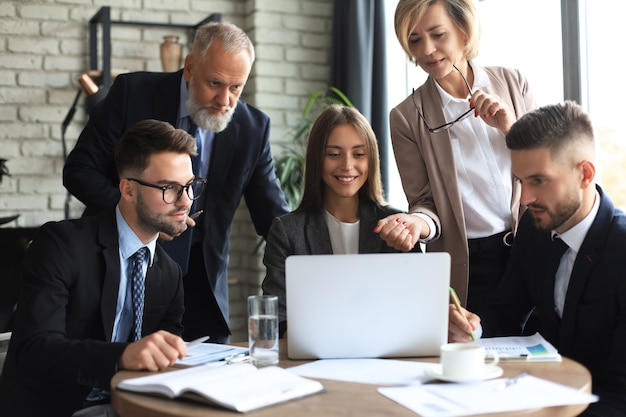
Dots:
(369, 242)
(588, 256)
(153, 287)
(108, 239)
(441, 144)
(316, 233)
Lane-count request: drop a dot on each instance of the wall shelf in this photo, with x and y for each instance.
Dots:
(103, 17)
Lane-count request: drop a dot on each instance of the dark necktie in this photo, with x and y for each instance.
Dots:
(138, 290)
(561, 281)
(195, 160)
(559, 247)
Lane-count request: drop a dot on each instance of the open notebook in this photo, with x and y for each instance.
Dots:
(367, 305)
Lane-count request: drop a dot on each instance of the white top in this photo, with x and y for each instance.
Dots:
(344, 237)
(483, 164)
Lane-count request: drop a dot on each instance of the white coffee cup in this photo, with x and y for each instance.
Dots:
(465, 361)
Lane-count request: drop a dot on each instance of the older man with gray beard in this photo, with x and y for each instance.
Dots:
(234, 156)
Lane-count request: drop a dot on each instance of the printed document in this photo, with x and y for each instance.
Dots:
(455, 400)
(521, 348)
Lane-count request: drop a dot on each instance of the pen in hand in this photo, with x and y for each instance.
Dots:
(197, 341)
(457, 304)
(196, 214)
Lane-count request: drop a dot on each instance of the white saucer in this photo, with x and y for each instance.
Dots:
(489, 373)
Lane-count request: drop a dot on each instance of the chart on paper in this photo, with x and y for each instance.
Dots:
(521, 348)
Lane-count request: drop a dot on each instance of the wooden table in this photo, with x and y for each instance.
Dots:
(345, 398)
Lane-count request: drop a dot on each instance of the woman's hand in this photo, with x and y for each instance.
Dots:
(402, 231)
(492, 110)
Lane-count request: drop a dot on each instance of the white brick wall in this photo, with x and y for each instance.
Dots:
(44, 47)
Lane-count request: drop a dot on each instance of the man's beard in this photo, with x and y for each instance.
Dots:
(203, 118)
(563, 213)
(155, 223)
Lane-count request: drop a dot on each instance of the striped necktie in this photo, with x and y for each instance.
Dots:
(138, 290)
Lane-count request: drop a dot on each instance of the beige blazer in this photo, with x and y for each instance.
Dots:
(426, 164)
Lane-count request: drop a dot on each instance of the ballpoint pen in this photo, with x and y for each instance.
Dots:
(457, 304)
(196, 214)
(242, 357)
(514, 380)
(197, 341)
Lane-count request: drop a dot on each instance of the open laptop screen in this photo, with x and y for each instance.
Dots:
(367, 305)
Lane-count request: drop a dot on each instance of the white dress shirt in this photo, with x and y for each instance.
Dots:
(483, 165)
(574, 238)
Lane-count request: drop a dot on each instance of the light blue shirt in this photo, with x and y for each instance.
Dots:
(129, 243)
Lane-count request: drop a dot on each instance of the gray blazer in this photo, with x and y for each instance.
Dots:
(428, 171)
(306, 233)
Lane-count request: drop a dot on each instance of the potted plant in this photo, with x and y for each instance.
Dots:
(290, 164)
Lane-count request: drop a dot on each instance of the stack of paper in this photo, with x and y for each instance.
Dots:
(204, 353)
(366, 371)
(453, 400)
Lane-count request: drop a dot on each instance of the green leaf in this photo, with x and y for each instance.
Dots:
(344, 99)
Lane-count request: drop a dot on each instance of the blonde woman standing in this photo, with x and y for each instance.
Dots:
(448, 141)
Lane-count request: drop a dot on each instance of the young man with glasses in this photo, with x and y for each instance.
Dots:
(99, 294)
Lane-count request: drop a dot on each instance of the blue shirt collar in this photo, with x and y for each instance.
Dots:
(128, 240)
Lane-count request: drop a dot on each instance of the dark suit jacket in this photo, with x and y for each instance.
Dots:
(306, 233)
(60, 347)
(241, 165)
(592, 330)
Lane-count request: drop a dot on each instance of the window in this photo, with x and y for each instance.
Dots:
(515, 35)
(604, 88)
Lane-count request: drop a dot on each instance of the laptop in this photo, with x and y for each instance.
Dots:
(380, 305)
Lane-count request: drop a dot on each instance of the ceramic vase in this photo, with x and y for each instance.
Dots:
(171, 53)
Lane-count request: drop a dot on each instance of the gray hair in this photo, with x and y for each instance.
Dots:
(233, 38)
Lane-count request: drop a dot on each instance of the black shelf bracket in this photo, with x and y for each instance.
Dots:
(103, 17)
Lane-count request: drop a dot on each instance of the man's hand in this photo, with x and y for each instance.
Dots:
(402, 231)
(460, 326)
(153, 352)
(190, 223)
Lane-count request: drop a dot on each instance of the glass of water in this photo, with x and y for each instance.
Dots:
(263, 329)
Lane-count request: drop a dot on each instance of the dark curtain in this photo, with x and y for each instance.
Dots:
(358, 65)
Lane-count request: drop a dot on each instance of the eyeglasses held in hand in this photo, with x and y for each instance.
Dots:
(448, 125)
(172, 192)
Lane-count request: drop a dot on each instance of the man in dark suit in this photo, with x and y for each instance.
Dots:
(568, 261)
(234, 157)
(76, 323)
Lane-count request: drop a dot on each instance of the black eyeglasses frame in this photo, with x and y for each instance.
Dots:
(187, 187)
(448, 125)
